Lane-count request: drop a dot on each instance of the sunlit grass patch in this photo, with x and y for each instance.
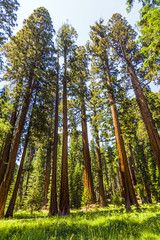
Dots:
(108, 223)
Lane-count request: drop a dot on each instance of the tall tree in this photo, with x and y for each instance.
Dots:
(95, 120)
(99, 49)
(53, 209)
(122, 41)
(66, 43)
(80, 74)
(32, 45)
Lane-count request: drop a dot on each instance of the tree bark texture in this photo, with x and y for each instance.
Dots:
(146, 114)
(5, 155)
(64, 190)
(53, 209)
(5, 185)
(10, 209)
(88, 179)
(102, 201)
(129, 193)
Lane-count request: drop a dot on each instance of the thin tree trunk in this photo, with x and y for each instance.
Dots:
(47, 176)
(32, 152)
(130, 197)
(132, 165)
(48, 164)
(53, 210)
(88, 179)
(5, 185)
(102, 200)
(64, 191)
(146, 114)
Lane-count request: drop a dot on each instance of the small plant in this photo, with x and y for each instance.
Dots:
(116, 199)
(86, 199)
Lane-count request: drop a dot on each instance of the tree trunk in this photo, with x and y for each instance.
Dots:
(102, 201)
(129, 193)
(88, 180)
(146, 114)
(64, 191)
(7, 146)
(10, 209)
(132, 165)
(5, 185)
(53, 210)
(48, 163)
(47, 175)
(32, 152)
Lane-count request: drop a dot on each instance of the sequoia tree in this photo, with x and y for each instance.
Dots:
(122, 42)
(99, 50)
(66, 43)
(32, 47)
(79, 73)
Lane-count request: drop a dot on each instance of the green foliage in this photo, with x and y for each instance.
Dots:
(86, 201)
(8, 18)
(34, 197)
(150, 40)
(116, 199)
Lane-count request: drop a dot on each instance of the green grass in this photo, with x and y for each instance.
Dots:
(108, 223)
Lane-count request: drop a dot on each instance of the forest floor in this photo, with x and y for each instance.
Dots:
(110, 223)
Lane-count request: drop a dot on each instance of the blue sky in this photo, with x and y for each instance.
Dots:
(80, 13)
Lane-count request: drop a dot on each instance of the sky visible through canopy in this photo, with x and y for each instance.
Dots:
(81, 14)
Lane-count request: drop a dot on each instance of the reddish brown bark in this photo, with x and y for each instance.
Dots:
(7, 146)
(10, 209)
(53, 210)
(129, 193)
(88, 180)
(4, 187)
(146, 114)
(102, 201)
(64, 190)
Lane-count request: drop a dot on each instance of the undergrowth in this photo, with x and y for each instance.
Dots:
(107, 223)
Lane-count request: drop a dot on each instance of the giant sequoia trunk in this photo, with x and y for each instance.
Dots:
(10, 209)
(146, 114)
(53, 210)
(7, 145)
(129, 194)
(64, 191)
(88, 180)
(5, 185)
(102, 202)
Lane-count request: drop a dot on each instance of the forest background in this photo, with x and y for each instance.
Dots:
(56, 88)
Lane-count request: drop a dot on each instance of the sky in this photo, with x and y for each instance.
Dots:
(81, 14)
